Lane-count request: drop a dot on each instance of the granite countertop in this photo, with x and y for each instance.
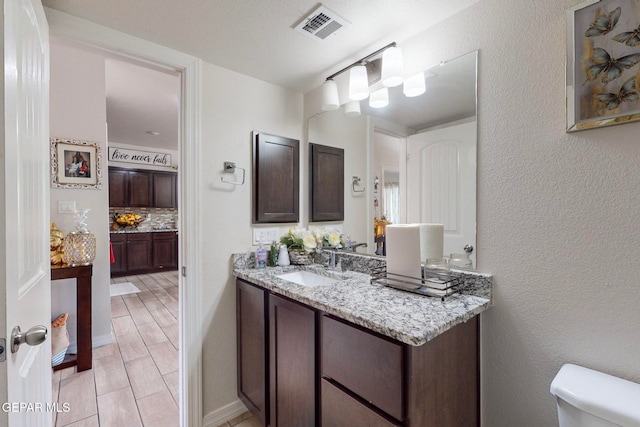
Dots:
(407, 317)
(148, 230)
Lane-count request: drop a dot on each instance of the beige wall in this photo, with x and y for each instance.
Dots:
(233, 106)
(334, 129)
(557, 214)
(78, 111)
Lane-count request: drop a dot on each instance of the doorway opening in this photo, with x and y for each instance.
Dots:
(137, 377)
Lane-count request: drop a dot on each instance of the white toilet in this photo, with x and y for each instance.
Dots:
(588, 398)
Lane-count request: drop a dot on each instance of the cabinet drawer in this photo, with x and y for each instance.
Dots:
(341, 410)
(366, 364)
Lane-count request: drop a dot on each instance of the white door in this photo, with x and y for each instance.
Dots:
(441, 183)
(25, 376)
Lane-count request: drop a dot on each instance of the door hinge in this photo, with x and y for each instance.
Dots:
(184, 271)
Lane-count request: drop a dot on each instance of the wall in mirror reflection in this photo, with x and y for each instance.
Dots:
(421, 156)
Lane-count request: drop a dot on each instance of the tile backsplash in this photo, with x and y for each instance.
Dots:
(156, 217)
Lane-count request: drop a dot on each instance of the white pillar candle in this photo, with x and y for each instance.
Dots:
(431, 241)
(403, 251)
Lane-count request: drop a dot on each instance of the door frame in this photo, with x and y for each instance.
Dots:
(68, 27)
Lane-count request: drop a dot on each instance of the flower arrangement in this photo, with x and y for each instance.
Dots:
(309, 241)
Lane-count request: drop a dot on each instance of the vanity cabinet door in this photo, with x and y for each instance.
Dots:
(292, 363)
(252, 338)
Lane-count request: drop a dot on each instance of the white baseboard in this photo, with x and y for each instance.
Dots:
(98, 341)
(224, 414)
(101, 340)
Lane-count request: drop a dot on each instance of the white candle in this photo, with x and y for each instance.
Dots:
(431, 241)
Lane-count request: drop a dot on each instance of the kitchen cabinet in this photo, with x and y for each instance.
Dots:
(165, 250)
(315, 369)
(142, 188)
(138, 253)
(119, 247)
(165, 186)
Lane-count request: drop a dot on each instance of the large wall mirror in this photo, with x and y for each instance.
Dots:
(421, 155)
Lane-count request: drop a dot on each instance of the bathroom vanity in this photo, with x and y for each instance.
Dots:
(351, 352)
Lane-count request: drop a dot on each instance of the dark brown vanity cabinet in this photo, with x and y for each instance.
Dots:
(252, 338)
(276, 354)
(298, 366)
(138, 253)
(372, 380)
(142, 188)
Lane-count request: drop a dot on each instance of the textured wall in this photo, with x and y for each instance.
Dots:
(557, 214)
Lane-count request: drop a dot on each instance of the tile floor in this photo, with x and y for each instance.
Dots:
(134, 381)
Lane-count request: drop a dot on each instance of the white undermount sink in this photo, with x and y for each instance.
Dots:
(306, 278)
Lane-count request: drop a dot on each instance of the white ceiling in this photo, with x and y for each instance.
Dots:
(253, 37)
(257, 37)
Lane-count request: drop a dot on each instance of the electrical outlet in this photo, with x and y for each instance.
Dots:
(66, 206)
(265, 235)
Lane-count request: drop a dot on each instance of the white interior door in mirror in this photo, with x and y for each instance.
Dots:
(441, 176)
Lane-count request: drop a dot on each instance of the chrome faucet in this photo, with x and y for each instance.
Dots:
(334, 261)
(357, 245)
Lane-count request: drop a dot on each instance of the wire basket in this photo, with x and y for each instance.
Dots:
(432, 284)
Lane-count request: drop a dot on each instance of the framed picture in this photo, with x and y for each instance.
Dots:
(75, 164)
(603, 64)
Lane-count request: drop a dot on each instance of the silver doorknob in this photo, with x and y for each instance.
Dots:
(34, 336)
(468, 248)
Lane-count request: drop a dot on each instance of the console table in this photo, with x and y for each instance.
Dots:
(82, 274)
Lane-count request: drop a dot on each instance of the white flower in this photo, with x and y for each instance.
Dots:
(309, 241)
(333, 238)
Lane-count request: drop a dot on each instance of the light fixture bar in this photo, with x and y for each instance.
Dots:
(360, 61)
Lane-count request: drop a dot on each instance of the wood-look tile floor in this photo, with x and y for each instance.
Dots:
(134, 381)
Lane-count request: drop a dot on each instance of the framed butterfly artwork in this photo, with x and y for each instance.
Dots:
(603, 64)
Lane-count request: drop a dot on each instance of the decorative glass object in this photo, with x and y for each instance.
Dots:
(80, 244)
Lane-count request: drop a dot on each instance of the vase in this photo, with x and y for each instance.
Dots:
(300, 257)
(80, 244)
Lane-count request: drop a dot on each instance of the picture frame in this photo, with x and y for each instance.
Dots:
(603, 64)
(75, 164)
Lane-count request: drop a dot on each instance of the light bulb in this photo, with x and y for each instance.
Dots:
(392, 67)
(358, 83)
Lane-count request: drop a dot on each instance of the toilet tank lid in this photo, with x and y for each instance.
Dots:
(611, 398)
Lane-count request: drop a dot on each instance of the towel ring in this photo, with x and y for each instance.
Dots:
(356, 182)
(230, 167)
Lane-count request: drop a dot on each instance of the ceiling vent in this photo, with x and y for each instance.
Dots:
(321, 24)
